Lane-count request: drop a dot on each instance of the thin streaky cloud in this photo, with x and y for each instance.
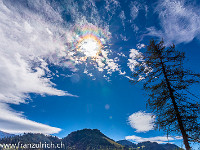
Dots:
(15, 123)
(179, 22)
(158, 139)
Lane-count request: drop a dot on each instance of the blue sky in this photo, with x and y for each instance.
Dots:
(65, 65)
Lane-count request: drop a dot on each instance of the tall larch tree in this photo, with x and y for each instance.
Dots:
(167, 83)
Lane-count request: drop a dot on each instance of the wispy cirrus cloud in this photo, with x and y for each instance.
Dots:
(179, 21)
(134, 9)
(28, 39)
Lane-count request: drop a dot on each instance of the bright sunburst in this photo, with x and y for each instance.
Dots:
(90, 45)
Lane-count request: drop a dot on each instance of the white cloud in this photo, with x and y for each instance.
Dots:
(15, 123)
(134, 10)
(141, 121)
(179, 21)
(133, 59)
(136, 59)
(19, 80)
(28, 39)
(140, 46)
(112, 5)
(158, 139)
(25, 45)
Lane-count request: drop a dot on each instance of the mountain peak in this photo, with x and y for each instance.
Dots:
(92, 138)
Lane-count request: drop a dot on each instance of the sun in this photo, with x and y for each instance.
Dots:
(89, 45)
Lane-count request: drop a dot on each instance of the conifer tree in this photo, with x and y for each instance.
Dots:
(167, 83)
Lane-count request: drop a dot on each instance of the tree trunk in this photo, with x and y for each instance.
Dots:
(178, 116)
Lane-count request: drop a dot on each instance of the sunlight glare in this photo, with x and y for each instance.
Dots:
(90, 46)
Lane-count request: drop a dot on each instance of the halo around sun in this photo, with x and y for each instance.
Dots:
(90, 41)
(89, 48)
(89, 45)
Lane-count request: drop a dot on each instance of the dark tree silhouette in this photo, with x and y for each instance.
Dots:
(167, 84)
